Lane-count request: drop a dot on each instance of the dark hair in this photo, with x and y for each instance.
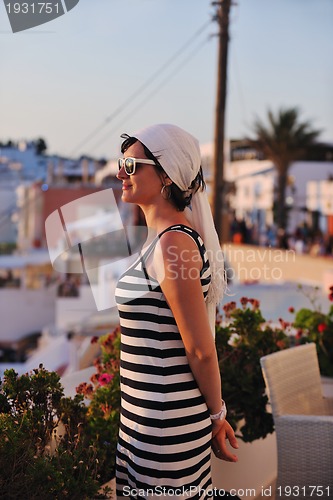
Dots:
(180, 199)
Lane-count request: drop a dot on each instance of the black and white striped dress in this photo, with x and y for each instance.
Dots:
(165, 431)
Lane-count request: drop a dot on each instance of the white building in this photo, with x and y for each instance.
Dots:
(255, 182)
(253, 193)
(319, 199)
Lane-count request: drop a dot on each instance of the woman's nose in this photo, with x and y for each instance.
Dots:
(121, 174)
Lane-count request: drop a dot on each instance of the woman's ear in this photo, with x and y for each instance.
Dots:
(166, 180)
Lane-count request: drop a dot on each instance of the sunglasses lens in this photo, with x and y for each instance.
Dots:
(120, 163)
(129, 166)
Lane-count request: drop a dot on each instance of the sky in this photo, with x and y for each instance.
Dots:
(65, 79)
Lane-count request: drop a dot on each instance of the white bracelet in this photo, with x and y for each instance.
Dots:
(221, 414)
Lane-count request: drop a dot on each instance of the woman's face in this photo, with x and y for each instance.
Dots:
(144, 186)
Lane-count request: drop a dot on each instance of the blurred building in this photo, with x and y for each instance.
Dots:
(21, 166)
(308, 195)
(319, 200)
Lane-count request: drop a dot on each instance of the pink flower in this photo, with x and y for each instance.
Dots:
(105, 379)
(322, 327)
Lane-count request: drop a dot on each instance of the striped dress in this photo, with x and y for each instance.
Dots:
(164, 440)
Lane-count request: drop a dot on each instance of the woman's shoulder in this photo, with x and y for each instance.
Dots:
(181, 237)
(175, 229)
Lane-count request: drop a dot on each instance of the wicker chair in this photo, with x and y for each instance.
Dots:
(303, 421)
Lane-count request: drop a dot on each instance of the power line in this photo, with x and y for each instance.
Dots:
(143, 87)
(154, 91)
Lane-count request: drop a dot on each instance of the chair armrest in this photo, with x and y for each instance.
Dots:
(307, 428)
(305, 449)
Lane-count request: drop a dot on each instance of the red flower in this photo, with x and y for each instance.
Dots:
(291, 310)
(299, 333)
(105, 379)
(108, 341)
(106, 409)
(218, 319)
(284, 324)
(330, 297)
(322, 327)
(85, 389)
(281, 344)
(94, 340)
(98, 365)
(95, 378)
(230, 306)
(255, 304)
(244, 301)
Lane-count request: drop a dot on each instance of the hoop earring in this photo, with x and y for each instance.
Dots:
(168, 192)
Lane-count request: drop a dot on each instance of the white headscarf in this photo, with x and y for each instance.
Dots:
(178, 153)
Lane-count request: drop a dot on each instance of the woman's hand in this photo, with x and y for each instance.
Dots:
(221, 431)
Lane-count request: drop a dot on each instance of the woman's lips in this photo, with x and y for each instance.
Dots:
(125, 187)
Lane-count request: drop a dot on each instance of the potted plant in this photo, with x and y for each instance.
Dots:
(243, 336)
(315, 326)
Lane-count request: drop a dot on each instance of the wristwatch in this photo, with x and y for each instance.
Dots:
(221, 414)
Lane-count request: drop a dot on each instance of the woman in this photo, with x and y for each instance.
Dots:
(172, 411)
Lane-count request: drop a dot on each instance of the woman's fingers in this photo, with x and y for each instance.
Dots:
(219, 443)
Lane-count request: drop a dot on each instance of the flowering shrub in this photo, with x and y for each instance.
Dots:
(242, 337)
(104, 395)
(31, 408)
(314, 326)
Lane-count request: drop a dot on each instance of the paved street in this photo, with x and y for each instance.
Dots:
(251, 263)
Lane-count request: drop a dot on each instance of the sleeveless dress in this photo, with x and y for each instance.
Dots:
(164, 440)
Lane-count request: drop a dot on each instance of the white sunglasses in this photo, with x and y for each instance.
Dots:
(130, 163)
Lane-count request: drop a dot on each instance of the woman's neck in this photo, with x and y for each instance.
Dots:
(159, 218)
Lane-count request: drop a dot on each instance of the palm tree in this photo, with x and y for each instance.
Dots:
(283, 140)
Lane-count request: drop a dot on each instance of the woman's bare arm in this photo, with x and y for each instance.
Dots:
(176, 265)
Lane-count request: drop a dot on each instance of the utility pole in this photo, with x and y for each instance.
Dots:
(219, 201)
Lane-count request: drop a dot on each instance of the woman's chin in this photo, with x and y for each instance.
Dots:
(126, 197)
